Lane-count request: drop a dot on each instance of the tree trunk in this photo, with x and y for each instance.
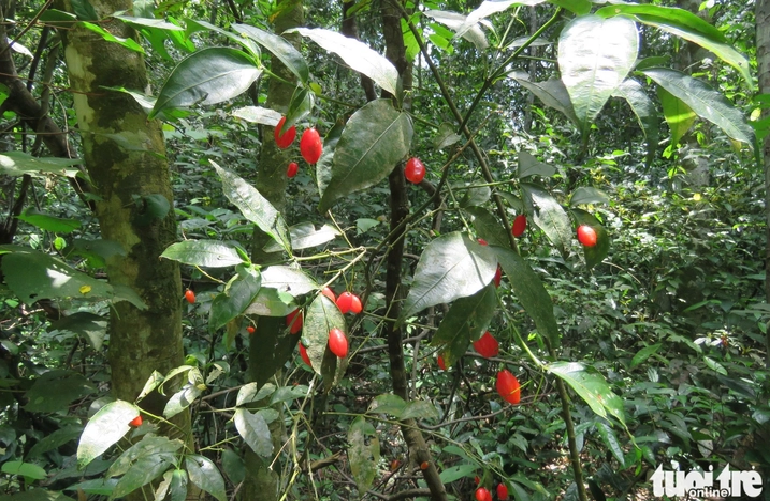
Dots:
(762, 15)
(141, 341)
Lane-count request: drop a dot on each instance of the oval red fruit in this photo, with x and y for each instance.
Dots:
(487, 346)
(441, 362)
(586, 236)
(519, 225)
(330, 294)
(507, 386)
(137, 421)
(483, 242)
(502, 492)
(303, 354)
(424, 465)
(291, 170)
(294, 321)
(189, 296)
(477, 480)
(250, 329)
(345, 301)
(394, 465)
(338, 343)
(310, 146)
(284, 140)
(355, 305)
(498, 275)
(414, 170)
(483, 494)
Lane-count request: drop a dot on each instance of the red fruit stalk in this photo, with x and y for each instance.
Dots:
(284, 140)
(507, 386)
(338, 343)
(519, 225)
(310, 146)
(487, 346)
(414, 170)
(586, 236)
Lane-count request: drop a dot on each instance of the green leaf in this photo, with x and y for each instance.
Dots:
(145, 468)
(257, 115)
(452, 266)
(203, 253)
(144, 22)
(588, 195)
(320, 318)
(128, 43)
(356, 55)
(54, 440)
(706, 102)
(474, 196)
(678, 115)
(594, 56)
(592, 387)
(387, 403)
(233, 465)
(532, 295)
(209, 76)
(466, 320)
(457, 472)
(55, 390)
(642, 355)
(50, 223)
(363, 452)
(446, 136)
(149, 208)
(98, 251)
(239, 293)
(672, 16)
(612, 443)
(276, 344)
(596, 254)
(254, 206)
(84, 10)
(488, 227)
(196, 25)
(325, 164)
(104, 429)
(33, 494)
(204, 473)
(253, 428)
(530, 166)
(552, 93)
(645, 112)
(22, 469)
(305, 236)
(548, 215)
(280, 48)
(576, 6)
(374, 140)
(182, 399)
(16, 163)
(422, 409)
(88, 325)
(460, 26)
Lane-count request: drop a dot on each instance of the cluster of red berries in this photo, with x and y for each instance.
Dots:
(484, 494)
(310, 145)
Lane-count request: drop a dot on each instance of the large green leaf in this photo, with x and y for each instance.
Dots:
(645, 112)
(451, 267)
(612, 442)
(285, 279)
(363, 452)
(678, 115)
(258, 115)
(254, 206)
(596, 254)
(253, 428)
(305, 236)
(531, 293)
(54, 440)
(576, 6)
(705, 101)
(16, 163)
(594, 56)
(204, 473)
(279, 46)
(128, 43)
(461, 25)
(592, 387)
(50, 223)
(209, 76)
(89, 325)
(104, 429)
(239, 293)
(588, 195)
(548, 215)
(55, 390)
(374, 140)
(552, 93)
(531, 166)
(488, 227)
(276, 344)
(357, 55)
(467, 318)
(320, 318)
(203, 253)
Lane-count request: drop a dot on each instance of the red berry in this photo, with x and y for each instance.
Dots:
(285, 140)
(338, 343)
(498, 275)
(586, 236)
(414, 170)
(424, 465)
(507, 386)
(345, 301)
(310, 146)
(294, 321)
(291, 171)
(355, 305)
(502, 492)
(250, 329)
(483, 242)
(483, 494)
(189, 296)
(477, 480)
(137, 421)
(303, 354)
(441, 362)
(329, 293)
(487, 345)
(394, 465)
(519, 225)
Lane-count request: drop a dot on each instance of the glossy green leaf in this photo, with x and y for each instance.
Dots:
(474, 196)
(388, 404)
(594, 56)
(239, 293)
(285, 279)
(98, 251)
(56, 439)
(596, 254)
(374, 140)
(706, 102)
(357, 55)
(457, 472)
(209, 76)
(254, 206)
(460, 26)
(145, 469)
(465, 321)
(645, 111)
(325, 164)
(446, 136)
(253, 428)
(642, 355)
(182, 399)
(306, 236)
(22, 469)
(204, 473)
(588, 195)
(128, 43)
(548, 215)
(363, 452)
(203, 253)
(678, 115)
(16, 163)
(88, 325)
(673, 16)
(279, 46)
(576, 6)
(50, 223)
(104, 429)
(196, 25)
(452, 266)
(531, 166)
(592, 388)
(552, 93)
(320, 318)
(54, 391)
(258, 115)
(529, 289)
(612, 442)
(420, 409)
(275, 347)
(488, 227)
